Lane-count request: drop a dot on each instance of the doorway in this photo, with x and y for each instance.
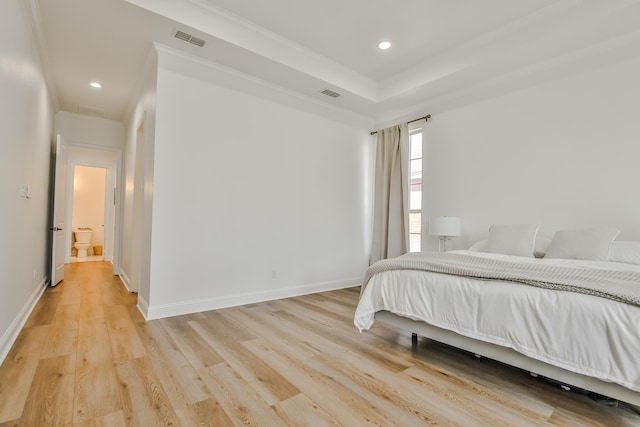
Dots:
(138, 220)
(88, 213)
(102, 197)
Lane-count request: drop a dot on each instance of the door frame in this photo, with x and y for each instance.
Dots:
(138, 208)
(89, 155)
(109, 207)
(58, 216)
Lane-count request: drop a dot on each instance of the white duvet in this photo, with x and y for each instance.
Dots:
(581, 333)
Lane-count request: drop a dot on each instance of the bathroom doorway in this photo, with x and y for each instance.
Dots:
(108, 226)
(88, 213)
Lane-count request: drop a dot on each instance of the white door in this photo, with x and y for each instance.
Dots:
(58, 243)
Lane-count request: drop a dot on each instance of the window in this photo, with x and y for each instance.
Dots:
(415, 191)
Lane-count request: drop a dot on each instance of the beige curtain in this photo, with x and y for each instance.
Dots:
(391, 199)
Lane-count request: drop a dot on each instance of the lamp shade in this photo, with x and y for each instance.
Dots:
(446, 226)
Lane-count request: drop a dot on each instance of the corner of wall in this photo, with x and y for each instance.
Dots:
(11, 334)
(142, 108)
(124, 278)
(143, 308)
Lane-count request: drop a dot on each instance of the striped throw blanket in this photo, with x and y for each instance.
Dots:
(617, 285)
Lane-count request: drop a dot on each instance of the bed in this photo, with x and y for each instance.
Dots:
(576, 321)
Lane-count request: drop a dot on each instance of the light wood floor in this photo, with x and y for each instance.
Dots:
(86, 357)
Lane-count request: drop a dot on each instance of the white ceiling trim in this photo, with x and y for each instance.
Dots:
(193, 66)
(469, 54)
(204, 17)
(605, 53)
(539, 43)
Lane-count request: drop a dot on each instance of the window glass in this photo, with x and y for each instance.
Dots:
(415, 192)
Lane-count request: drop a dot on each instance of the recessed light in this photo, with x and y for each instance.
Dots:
(384, 45)
(95, 84)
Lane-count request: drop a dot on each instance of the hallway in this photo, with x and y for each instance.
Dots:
(62, 368)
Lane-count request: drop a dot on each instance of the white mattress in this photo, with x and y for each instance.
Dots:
(581, 333)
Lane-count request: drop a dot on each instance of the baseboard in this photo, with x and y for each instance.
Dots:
(143, 307)
(160, 311)
(125, 280)
(11, 334)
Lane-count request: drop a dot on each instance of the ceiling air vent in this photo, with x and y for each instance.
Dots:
(198, 42)
(330, 93)
(179, 34)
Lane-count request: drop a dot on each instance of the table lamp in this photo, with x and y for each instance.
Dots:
(445, 227)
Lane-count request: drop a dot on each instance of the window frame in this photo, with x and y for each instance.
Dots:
(413, 131)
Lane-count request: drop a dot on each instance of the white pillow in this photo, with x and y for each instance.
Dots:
(627, 252)
(515, 240)
(539, 248)
(480, 246)
(588, 244)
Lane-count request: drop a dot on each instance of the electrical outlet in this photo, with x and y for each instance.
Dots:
(274, 274)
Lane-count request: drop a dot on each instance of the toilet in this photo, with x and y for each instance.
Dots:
(83, 241)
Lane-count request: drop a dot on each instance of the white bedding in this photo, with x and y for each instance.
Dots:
(581, 333)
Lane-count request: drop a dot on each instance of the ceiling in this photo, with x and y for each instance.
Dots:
(444, 52)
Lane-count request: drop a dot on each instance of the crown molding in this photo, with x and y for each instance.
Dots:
(209, 19)
(230, 78)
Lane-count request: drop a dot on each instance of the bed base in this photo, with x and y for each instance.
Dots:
(510, 357)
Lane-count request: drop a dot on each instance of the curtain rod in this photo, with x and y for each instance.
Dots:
(426, 118)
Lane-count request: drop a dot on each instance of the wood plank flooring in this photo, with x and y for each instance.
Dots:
(86, 357)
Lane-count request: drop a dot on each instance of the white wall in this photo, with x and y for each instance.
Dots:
(80, 129)
(26, 123)
(564, 154)
(134, 268)
(245, 189)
